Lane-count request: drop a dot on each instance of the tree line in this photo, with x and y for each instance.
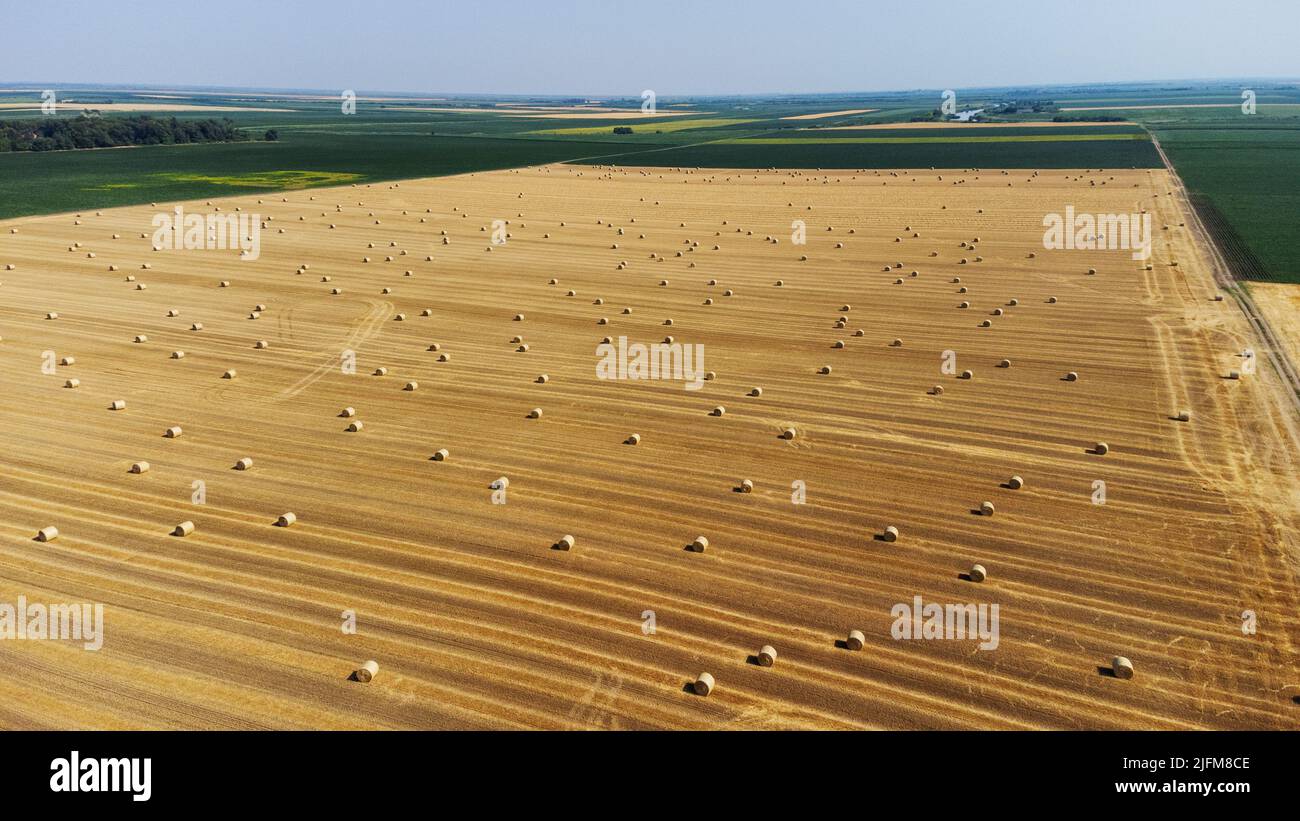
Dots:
(63, 133)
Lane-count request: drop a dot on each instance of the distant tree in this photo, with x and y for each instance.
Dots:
(622, 129)
(102, 132)
(272, 135)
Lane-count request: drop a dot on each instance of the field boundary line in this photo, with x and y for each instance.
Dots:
(1223, 276)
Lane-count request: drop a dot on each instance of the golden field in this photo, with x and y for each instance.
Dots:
(477, 622)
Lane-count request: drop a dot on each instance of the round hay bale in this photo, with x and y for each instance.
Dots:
(824, 369)
(747, 486)
(1101, 448)
(566, 542)
(197, 326)
(1015, 483)
(285, 520)
(178, 354)
(986, 509)
(535, 413)
(356, 427)
(441, 455)
(400, 318)
(261, 344)
(978, 573)
(68, 360)
(964, 305)
(543, 379)
(172, 432)
(381, 372)
(634, 439)
(1051, 300)
(787, 433)
(897, 343)
(718, 411)
(1184, 416)
(755, 391)
(173, 312)
(703, 684)
(1006, 363)
(988, 323)
(967, 374)
(230, 374)
(366, 672)
(1072, 376)
(700, 544)
(183, 529)
(856, 640)
(140, 467)
(839, 343)
(348, 412)
(117, 404)
(766, 655)
(937, 390)
(47, 534)
(444, 357)
(140, 339)
(411, 386)
(890, 534)
(244, 464)
(1121, 667)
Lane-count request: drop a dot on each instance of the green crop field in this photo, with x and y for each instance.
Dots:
(1243, 171)
(52, 182)
(849, 153)
(954, 138)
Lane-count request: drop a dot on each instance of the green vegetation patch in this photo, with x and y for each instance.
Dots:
(267, 179)
(655, 126)
(980, 138)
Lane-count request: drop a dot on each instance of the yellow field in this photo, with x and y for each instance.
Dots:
(474, 618)
(824, 114)
(1280, 304)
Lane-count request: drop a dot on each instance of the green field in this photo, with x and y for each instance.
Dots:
(74, 180)
(967, 139)
(945, 153)
(660, 126)
(1243, 171)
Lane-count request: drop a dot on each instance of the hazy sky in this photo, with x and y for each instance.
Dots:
(611, 47)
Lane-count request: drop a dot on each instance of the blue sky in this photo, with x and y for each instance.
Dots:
(619, 48)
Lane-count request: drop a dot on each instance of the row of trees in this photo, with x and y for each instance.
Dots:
(63, 133)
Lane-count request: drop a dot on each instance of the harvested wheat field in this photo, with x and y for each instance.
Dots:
(327, 492)
(1280, 304)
